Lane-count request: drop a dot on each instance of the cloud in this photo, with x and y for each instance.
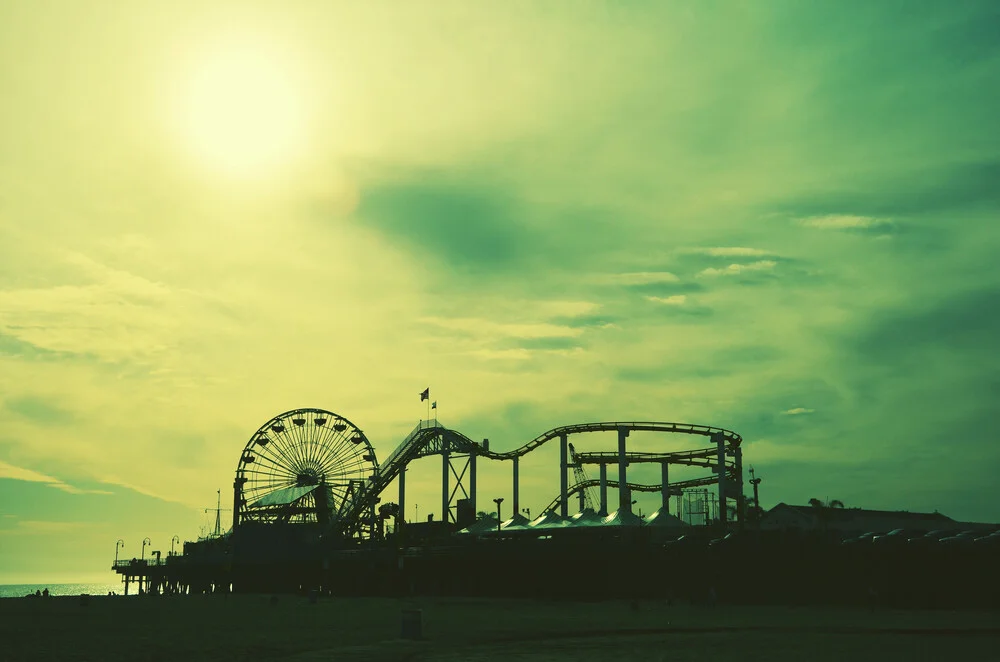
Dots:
(18, 473)
(797, 411)
(638, 278)
(473, 229)
(771, 452)
(564, 309)
(731, 251)
(43, 527)
(842, 222)
(675, 300)
(490, 328)
(12, 346)
(549, 343)
(97, 312)
(39, 410)
(502, 354)
(964, 323)
(533, 350)
(739, 269)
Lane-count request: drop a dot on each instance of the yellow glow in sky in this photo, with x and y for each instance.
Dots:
(241, 111)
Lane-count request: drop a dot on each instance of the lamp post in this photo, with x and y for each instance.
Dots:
(498, 501)
(172, 541)
(756, 497)
(145, 541)
(118, 545)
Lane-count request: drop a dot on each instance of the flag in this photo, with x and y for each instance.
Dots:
(434, 405)
(426, 393)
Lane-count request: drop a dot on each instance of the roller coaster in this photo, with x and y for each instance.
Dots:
(307, 519)
(314, 466)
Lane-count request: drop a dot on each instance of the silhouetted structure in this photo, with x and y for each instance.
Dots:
(306, 519)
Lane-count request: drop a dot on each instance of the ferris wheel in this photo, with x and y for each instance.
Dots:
(302, 466)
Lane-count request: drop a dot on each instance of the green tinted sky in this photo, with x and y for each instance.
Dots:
(776, 217)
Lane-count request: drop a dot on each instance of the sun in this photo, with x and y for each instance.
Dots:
(241, 112)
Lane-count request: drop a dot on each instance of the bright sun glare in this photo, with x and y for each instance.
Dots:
(242, 111)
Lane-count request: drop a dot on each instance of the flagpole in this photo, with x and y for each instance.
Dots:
(426, 395)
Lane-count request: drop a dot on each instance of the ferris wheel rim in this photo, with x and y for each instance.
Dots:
(306, 446)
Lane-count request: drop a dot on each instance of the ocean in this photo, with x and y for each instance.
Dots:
(21, 590)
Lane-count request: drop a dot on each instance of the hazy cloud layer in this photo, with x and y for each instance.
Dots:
(777, 218)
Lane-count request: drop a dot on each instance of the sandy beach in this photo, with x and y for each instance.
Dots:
(253, 627)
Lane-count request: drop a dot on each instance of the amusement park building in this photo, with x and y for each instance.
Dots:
(850, 521)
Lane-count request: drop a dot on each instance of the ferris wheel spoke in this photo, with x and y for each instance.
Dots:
(302, 440)
(340, 494)
(318, 449)
(320, 439)
(343, 448)
(274, 466)
(288, 437)
(276, 450)
(331, 439)
(270, 477)
(314, 439)
(346, 464)
(347, 457)
(266, 477)
(291, 438)
(274, 457)
(279, 447)
(323, 441)
(326, 459)
(335, 465)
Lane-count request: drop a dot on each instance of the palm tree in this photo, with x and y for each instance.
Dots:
(822, 509)
(388, 510)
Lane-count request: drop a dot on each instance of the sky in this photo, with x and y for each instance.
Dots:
(775, 217)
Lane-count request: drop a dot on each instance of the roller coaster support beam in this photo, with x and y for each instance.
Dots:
(472, 477)
(236, 501)
(741, 506)
(445, 468)
(402, 498)
(624, 500)
(665, 487)
(604, 489)
(720, 442)
(563, 480)
(516, 505)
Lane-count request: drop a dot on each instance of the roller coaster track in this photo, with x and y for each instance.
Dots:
(411, 446)
(732, 439)
(674, 488)
(703, 457)
(431, 437)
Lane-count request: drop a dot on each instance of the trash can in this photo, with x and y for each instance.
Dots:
(412, 624)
